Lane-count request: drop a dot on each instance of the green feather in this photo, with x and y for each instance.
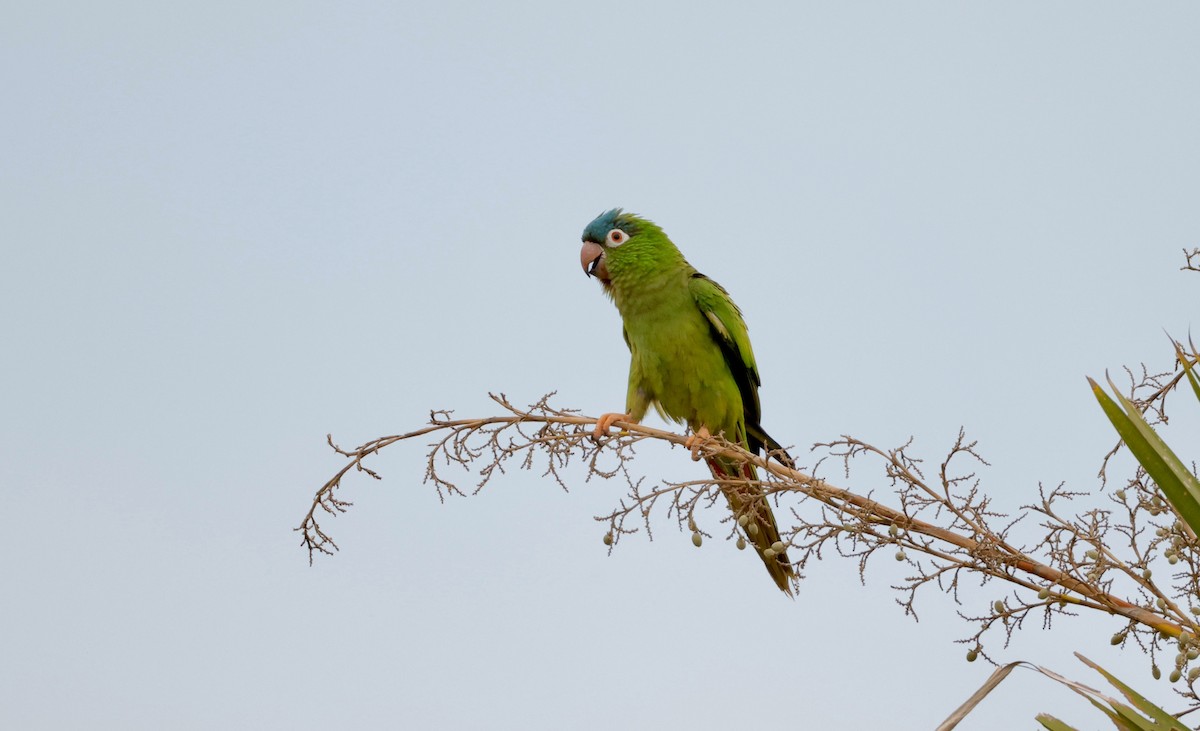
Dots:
(690, 358)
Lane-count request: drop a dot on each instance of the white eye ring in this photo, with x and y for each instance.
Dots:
(616, 237)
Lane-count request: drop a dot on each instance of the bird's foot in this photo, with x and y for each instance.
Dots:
(605, 422)
(696, 441)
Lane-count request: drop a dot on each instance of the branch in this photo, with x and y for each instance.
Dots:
(1193, 260)
(947, 522)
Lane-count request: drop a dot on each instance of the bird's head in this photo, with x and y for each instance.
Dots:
(607, 238)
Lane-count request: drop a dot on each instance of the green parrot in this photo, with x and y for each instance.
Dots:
(691, 360)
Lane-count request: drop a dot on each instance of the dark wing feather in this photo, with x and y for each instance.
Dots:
(729, 331)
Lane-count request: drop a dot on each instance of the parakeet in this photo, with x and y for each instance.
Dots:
(690, 359)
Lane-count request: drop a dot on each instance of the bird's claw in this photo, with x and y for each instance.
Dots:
(605, 422)
(696, 442)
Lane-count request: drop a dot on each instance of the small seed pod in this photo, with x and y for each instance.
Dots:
(999, 607)
(901, 555)
(1161, 532)
(777, 546)
(972, 655)
(753, 528)
(1172, 559)
(608, 539)
(1117, 639)
(1193, 653)
(769, 553)
(1174, 676)
(697, 539)
(1193, 674)
(1146, 574)
(1044, 594)
(743, 520)
(741, 544)
(1162, 604)
(1120, 494)
(1155, 672)
(893, 530)
(1092, 554)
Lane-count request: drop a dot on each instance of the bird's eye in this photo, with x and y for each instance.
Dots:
(616, 237)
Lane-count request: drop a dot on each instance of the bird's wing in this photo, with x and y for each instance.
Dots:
(729, 331)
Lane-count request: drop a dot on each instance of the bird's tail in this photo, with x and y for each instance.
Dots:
(747, 500)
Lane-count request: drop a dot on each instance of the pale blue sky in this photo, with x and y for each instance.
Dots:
(230, 228)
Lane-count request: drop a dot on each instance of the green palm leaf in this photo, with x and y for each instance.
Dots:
(1188, 364)
(1176, 481)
